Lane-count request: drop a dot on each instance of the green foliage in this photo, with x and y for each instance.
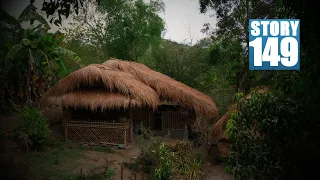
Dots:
(259, 132)
(123, 29)
(185, 162)
(168, 161)
(31, 59)
(301, 87)
(184, 63)
(231, 124)
(163, 170)
(109, 174)
(231, 38)
(145, 132)
(148, 157)
(34, 127)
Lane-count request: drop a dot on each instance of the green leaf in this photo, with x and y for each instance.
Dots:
(30, 14)
(26, 42)
(12, 52)
(70, 54)
(31, 59)
(61, 64)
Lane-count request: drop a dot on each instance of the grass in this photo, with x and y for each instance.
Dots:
(98, 149)
(62, 162)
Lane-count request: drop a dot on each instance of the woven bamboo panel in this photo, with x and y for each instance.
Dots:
(84, 133)
(172, 120)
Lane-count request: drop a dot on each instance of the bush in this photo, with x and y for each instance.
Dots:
(143, 131)
(34, 130)
(109, 174)
(149, 157)
(260, 133)
(164, 167)
(168, 161)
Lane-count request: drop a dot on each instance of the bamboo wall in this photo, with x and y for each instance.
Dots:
(97, 131)
(172, 120)
(143, 115)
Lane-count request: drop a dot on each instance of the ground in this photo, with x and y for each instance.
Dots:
(68, 161)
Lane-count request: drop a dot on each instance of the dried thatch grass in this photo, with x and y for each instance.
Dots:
(167, 88)
(98, 99)
(117, 80)
(218, 131)
(111, 80)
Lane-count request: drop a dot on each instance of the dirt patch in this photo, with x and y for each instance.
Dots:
(97, 162)
(71, 160)
(216, 172)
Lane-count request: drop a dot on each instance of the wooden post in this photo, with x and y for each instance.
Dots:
(65, 116)
(125, 137)
(81, 174)
(131, 122)
(107, 163)
(121, 171)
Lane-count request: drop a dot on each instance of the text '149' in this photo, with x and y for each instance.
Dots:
(274, 44)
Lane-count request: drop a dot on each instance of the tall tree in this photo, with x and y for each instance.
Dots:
(187, 64)
(233, 19)
(31, 59)
(122, 29)
(295, 95)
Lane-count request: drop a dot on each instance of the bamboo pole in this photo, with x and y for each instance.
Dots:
(121, 171)
(131, 122)
(65, 118)
(125, 137)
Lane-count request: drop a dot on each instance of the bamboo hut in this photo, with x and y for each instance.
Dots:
(102, 102)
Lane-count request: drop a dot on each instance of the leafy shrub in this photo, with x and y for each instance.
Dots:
(109, 174)
(163, 169)
(149, 157)
(145, 132)
(34, 129)
(185, 162)
(260, 132)
(166, 161)
(231, 123)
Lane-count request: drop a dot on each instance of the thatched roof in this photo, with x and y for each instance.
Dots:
(218, 131)
(167, 88)
(107, 79)
(96, 99)
(110, 85)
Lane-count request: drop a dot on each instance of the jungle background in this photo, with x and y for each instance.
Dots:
(32, 59)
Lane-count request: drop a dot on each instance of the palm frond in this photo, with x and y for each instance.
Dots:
(43, 55)
(70, 54)
(8, 61)
(30, 14)
(13, 51)
(61, 64)
(26, 42)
